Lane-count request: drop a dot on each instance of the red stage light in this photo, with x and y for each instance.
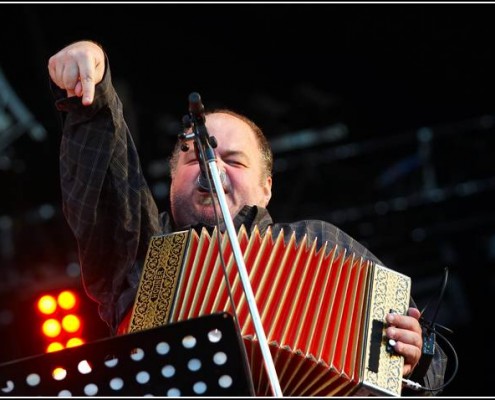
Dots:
(67, 300)
(71, 323)
(51, 328)
(47, 304)
(59, 320)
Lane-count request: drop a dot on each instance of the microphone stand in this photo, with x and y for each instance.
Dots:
(204, 145)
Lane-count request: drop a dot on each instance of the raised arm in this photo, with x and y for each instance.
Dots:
(106, 200)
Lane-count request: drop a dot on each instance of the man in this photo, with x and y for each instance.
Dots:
(110, 209)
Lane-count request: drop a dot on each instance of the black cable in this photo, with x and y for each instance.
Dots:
(430, 332)
(442, 292)
(416, 386)
(440, 298)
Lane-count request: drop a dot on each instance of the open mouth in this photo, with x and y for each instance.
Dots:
(206, 200)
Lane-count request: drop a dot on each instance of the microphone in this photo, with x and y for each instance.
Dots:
(196, 108)
(202, 178)
(207, 143)
(197, 116)
(202, 181)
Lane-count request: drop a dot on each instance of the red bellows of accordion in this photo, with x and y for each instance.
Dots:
(316, 306)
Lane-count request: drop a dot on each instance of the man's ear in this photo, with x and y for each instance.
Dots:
(267, 190)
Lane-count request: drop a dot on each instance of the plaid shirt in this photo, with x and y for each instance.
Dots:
(112, 213)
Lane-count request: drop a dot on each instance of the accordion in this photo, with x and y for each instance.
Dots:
(322, 308)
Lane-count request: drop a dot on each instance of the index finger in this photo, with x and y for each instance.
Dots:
(87, 71)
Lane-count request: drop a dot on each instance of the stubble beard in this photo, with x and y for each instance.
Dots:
(201, 213)
(210, 215)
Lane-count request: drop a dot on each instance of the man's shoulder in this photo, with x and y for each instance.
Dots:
(313, 227)
(323, 232)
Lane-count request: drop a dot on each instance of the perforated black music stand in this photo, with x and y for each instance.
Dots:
(199, 357)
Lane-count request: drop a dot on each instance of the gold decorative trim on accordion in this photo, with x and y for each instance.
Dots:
(323, 309)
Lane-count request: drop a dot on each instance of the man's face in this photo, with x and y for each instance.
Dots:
(238, 155)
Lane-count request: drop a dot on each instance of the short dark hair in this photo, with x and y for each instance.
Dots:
(264, 145)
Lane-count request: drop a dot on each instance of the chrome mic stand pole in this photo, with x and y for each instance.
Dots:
(201, 138)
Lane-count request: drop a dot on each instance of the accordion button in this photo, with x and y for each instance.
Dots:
(390, 346)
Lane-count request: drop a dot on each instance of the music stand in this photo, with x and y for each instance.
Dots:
(203, 356)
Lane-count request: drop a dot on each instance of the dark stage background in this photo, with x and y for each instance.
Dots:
(381, 117)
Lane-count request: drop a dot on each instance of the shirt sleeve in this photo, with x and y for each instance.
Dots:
(106, 200)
